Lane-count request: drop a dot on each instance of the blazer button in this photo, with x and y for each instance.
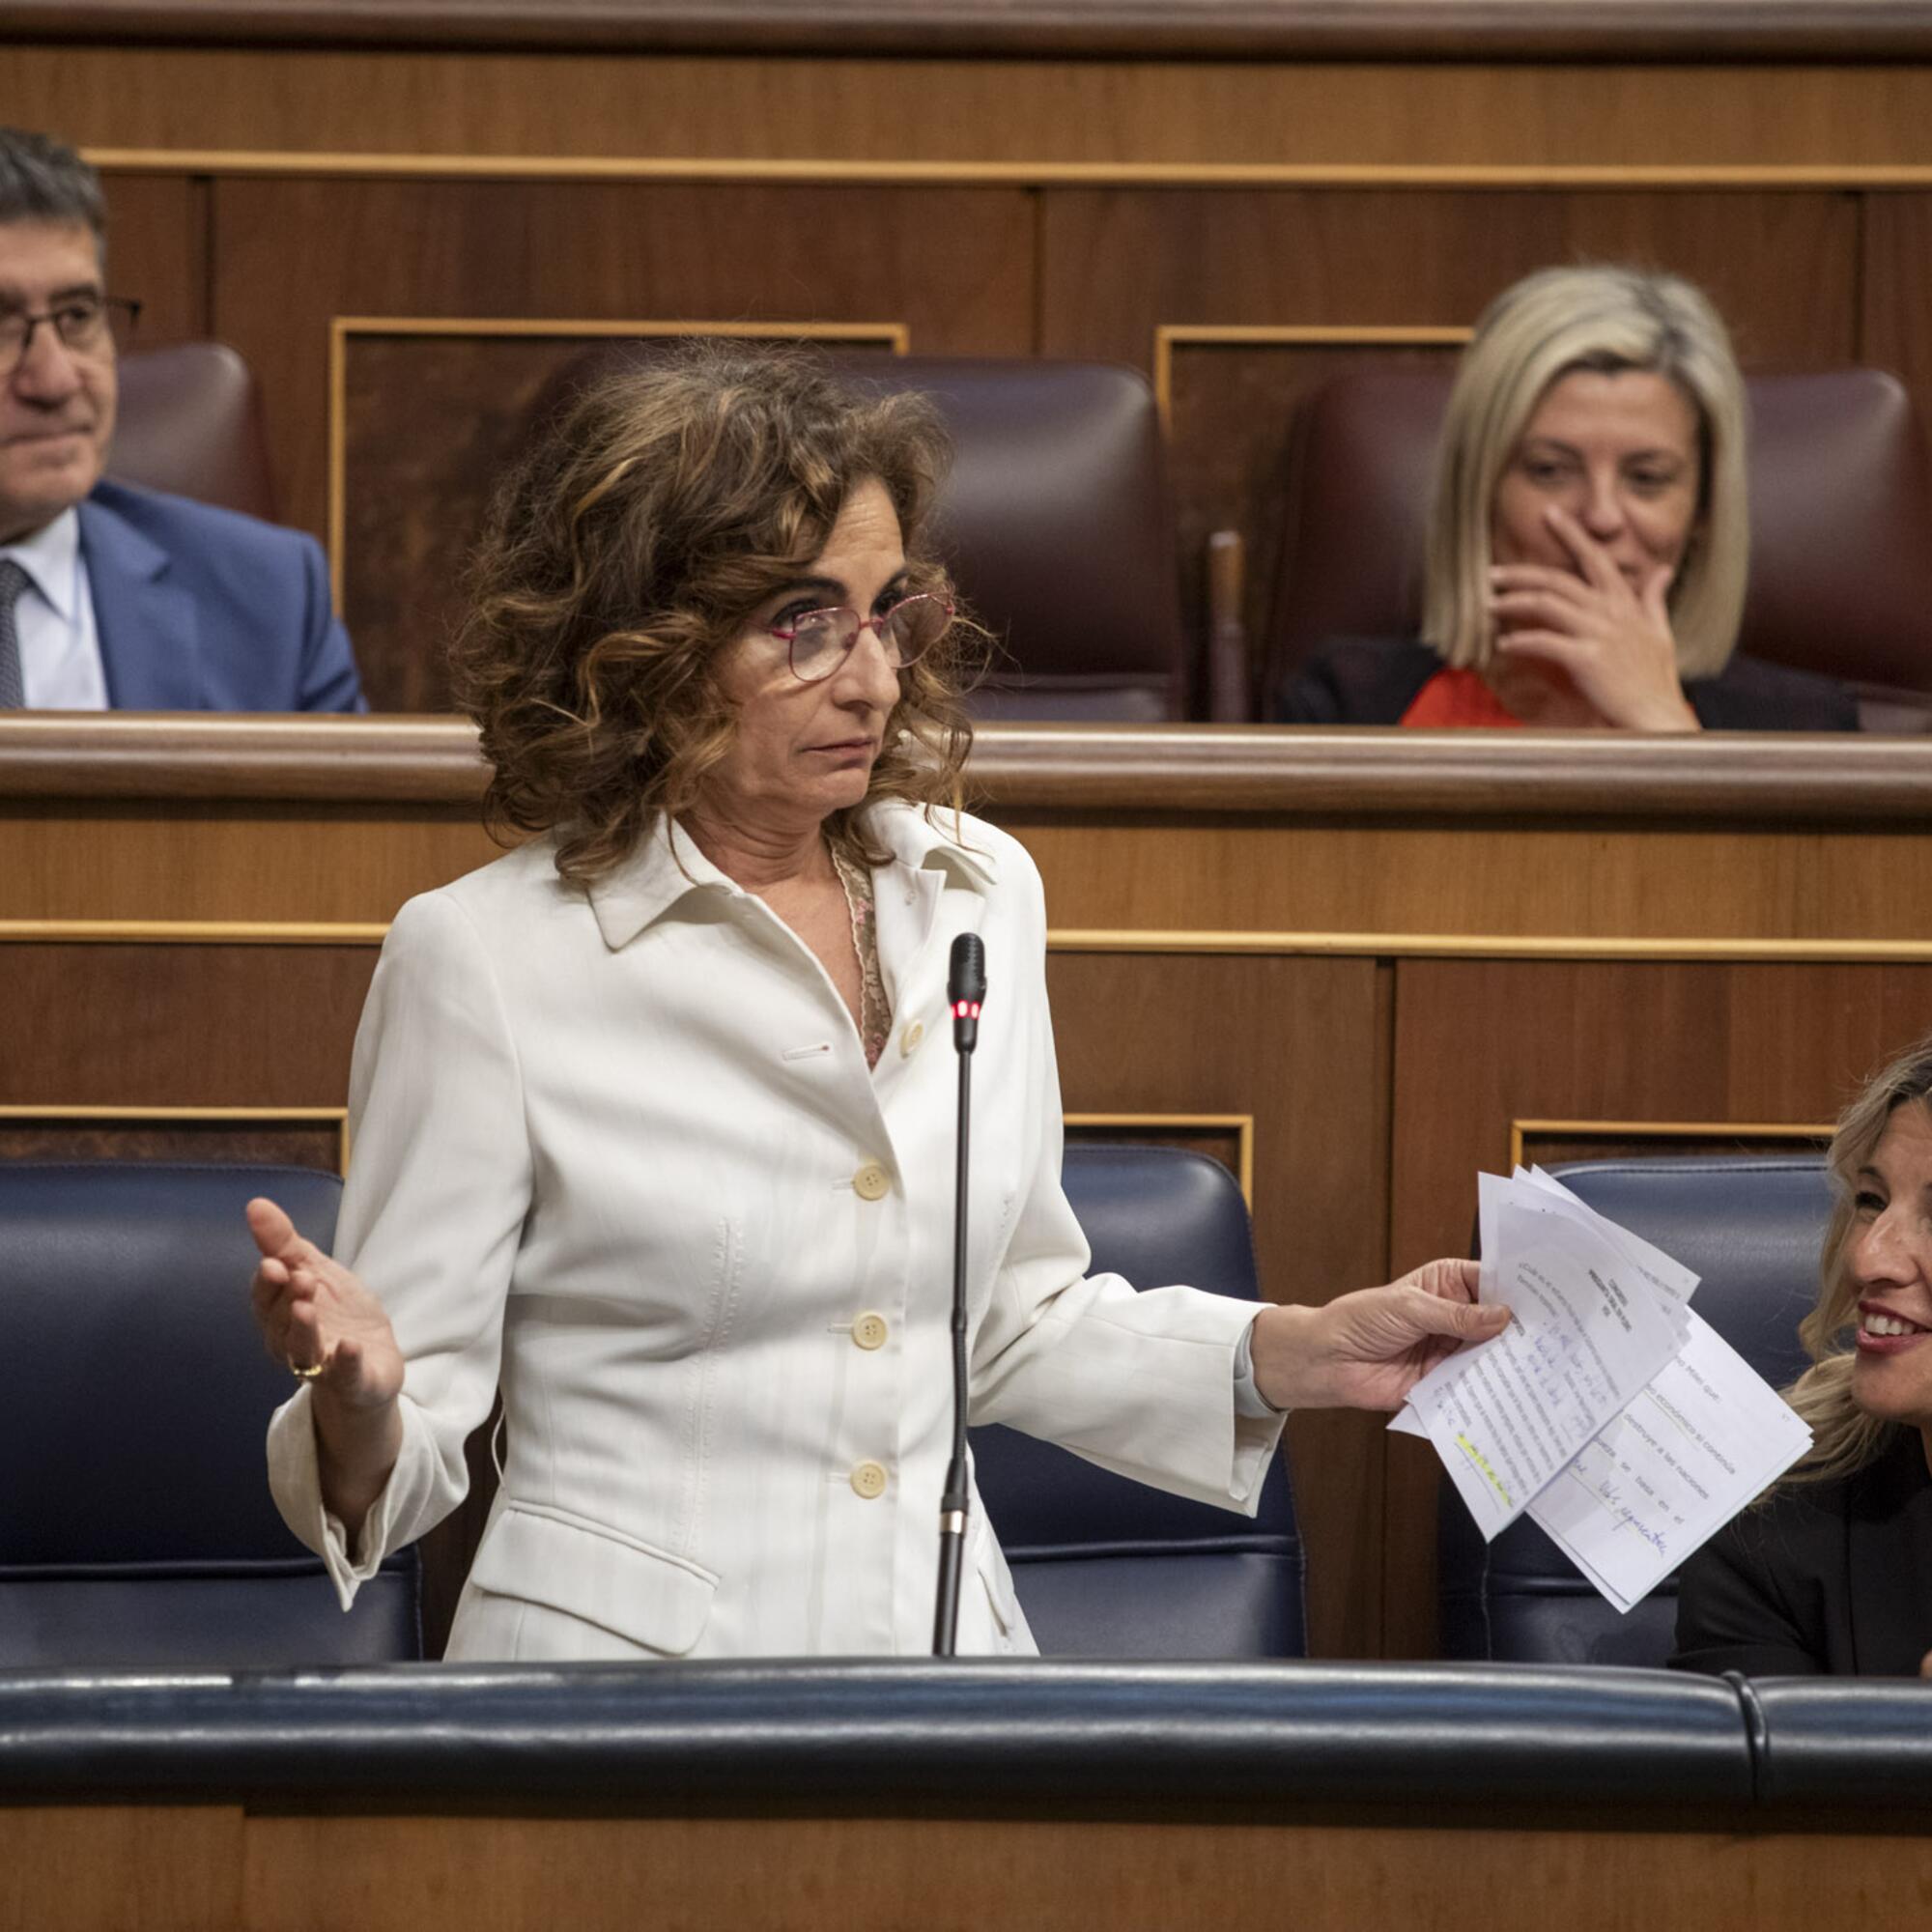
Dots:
(868, 1480)
(871, 1182)
(910, 1039)
(870, 1332)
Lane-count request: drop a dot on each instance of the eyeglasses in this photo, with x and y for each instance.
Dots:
(86, 324)
(821, 640)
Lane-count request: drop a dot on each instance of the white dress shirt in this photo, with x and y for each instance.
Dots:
(622, 1153)
(61, 668)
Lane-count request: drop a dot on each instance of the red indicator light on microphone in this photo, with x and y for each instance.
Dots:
(966, 1010)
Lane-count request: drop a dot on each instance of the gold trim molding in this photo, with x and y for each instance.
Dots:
(81, 1115)
(1497, 946)
(894, 336)
(1325, 944)
(1287, 335)
(277, 161)
(1244, 1126)
(190, 932)
(1666, 1130)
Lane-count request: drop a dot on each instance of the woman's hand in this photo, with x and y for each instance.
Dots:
(312, 1310)
(1611, 638)
(1369, 1348)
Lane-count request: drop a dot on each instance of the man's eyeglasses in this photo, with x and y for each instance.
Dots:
(86, 324)
(821, 641)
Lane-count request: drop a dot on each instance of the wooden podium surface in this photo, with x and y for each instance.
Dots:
(1356, 966)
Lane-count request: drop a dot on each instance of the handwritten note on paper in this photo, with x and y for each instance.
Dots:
(1682, 1459)
(1668, 1465)
(1586, 1334)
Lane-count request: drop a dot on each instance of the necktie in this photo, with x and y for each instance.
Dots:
(13, 686)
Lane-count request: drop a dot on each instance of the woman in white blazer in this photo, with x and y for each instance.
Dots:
(653, 1117)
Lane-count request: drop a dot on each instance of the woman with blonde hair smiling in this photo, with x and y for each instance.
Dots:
(1589, 538)
(1833, 1572)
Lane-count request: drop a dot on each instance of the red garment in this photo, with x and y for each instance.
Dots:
(1458, 697)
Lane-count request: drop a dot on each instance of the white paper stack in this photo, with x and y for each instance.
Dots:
(1607, 1409)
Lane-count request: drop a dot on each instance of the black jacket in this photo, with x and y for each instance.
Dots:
(1826, 1578)
(1375, 680)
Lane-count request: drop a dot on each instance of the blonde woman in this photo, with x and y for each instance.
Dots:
(1588, 539)
(1833, 1573)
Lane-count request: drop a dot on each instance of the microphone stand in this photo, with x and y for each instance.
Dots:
(966, 989)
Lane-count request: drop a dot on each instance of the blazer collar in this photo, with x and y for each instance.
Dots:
(150, 642)
(667, 867)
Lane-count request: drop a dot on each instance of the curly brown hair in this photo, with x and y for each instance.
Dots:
(657, 507)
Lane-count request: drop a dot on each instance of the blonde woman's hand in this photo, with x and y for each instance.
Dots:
(1610, 637)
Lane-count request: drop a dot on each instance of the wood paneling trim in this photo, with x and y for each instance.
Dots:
(1273, 945)
(130, 754)
(1171, 335)
(1494, 946)
(187, 932)
(1521, 1131)
(1713, 30)
(1244, 1126)
(237, 162)
(124, 1117)
(1446, 776)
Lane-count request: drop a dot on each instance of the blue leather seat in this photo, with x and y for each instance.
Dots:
(1105, 1567)
(135, 1522)
(1750, 1227)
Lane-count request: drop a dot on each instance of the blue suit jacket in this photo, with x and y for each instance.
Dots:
(205, 610)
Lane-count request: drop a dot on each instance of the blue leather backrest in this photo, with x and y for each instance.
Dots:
(1109, 1568)
(1750, 1227)
(135, 1521)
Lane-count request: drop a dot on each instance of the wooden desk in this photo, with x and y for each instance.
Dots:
(1357, 966)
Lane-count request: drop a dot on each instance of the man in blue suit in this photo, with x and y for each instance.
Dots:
(112, 596)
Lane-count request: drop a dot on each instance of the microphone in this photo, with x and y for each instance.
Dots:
(966, 989)
(965, 994)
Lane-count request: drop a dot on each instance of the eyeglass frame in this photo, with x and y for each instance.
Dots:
(860, 625)
(127, 308)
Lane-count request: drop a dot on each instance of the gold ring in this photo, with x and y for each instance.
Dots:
(301, 1374)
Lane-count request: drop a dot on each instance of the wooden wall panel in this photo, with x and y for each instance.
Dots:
(254, 863)
(1296, 1044)
(1051, 1875)
(1480, 1043)
(1895, 292)
(1118, 261)
(885, 110)
(157, 251)
(189, 1026)
(954, 266)
(133, 1867)
(293, 1143)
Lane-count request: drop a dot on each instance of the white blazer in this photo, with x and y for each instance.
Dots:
(622, 1153)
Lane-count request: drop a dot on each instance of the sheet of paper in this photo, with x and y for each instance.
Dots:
(1586, 1334)
(1668, 1276)
(1690, 1452)
(1665, 1272)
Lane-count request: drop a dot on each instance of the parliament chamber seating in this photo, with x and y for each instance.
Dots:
(135, 1522)
(1105, 1567)
(189, 422)
(1842, 528)
(1751, 1228)
(1053, 519)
